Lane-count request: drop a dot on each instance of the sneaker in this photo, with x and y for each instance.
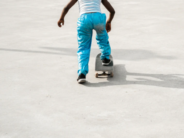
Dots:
(81, 79)
(106, 62)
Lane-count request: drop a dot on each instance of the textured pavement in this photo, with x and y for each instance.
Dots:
(39, 94)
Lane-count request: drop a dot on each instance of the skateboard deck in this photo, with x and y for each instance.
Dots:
(104, 69)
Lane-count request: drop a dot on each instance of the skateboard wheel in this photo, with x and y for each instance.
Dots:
(96, 75)
(112, 74)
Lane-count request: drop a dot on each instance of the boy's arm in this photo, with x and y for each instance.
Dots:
(112, 12)
(110, 9)
(65, 11)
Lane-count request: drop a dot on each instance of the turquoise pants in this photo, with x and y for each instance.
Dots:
(85, 25)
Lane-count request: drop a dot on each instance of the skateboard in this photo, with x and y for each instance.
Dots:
(107, 70)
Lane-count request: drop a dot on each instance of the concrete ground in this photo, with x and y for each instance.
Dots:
(39, 94)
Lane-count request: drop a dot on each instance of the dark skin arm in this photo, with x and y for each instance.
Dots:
(104, 2)
(65, 11)
(112, 13)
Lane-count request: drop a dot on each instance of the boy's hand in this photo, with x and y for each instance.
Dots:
(61, 21)
(108, 27)
(65, 10)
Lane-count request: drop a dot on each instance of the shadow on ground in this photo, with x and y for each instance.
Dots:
(122, 54)
(119, 54)
(120, 73)
(160, 80)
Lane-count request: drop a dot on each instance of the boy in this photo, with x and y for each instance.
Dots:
(90, 18)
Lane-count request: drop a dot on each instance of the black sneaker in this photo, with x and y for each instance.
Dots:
(81, 79)
(106, 62)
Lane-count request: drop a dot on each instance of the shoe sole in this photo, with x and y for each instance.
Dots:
(106, 64)
(81, 81)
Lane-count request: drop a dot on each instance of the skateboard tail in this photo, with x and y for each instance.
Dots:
(100, 67)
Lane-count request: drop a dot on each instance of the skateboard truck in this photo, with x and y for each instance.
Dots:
(104, 74)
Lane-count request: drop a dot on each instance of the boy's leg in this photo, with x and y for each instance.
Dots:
(102, 36)
(84, 36)
(103, 43)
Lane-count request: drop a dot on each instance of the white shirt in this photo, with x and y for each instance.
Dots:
(86, 6)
